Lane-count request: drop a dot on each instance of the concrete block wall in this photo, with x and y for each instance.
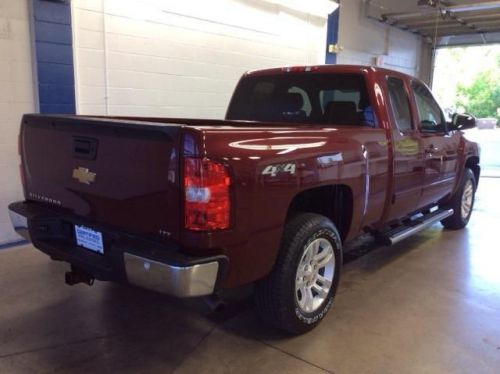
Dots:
(182, 59)
(16, 98)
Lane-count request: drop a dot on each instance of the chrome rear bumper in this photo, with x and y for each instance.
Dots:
(20, 224)
(188, 281)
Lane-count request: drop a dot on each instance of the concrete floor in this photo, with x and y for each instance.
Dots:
(428, 305)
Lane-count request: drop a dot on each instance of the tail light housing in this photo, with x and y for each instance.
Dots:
(19, 151)
(207, 202)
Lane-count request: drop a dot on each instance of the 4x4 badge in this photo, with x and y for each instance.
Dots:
(83, 175)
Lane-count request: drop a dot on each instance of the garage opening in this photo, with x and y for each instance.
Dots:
(467, 80)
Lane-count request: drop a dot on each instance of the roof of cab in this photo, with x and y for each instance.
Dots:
(325, 69)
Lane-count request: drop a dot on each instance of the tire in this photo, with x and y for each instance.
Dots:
(462, 202)
(283, 298)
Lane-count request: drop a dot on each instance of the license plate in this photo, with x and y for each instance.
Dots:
(89, 239)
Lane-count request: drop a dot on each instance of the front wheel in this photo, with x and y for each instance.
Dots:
(462, 202)
(298, 293)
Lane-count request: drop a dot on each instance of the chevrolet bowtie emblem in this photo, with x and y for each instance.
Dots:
(83, 175)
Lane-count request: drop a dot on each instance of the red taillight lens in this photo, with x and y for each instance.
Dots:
(206, 195)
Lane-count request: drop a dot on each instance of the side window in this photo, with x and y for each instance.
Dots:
(400, 104)
(429, 113)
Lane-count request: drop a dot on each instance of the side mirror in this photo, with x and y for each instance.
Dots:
(463, 121)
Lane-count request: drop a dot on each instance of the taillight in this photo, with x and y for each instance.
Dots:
(206, 195)
(19, 151)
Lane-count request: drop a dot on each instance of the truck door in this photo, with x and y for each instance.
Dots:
(408, 157)
(440, 147)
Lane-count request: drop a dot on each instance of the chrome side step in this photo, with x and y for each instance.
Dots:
(402, 232)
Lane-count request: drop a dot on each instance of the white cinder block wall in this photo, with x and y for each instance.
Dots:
(364, 39)
(16, 98)
(182, 58)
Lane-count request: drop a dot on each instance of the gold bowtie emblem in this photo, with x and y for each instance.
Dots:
(83, 175)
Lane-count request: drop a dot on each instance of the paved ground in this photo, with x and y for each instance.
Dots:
(489, 140)
(428, 305)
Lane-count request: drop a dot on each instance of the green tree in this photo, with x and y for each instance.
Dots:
(482, 97)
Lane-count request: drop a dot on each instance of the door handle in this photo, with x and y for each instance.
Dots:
(85, 148)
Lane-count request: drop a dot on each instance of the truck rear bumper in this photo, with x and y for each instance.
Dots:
(20, 224)
(127, 258)
(180, 281)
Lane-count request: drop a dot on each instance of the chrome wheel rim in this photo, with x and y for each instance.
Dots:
(315, 275)
(467, 199)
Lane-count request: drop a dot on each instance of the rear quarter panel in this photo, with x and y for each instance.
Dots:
(270, 166)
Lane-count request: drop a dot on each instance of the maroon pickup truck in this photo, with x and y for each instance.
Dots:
(307, 159)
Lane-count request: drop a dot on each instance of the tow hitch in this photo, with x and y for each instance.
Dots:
(76, 276)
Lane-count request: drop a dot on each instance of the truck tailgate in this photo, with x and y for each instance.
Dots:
(115, 172)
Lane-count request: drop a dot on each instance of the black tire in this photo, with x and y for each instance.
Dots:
(458, 220)
(276, 295)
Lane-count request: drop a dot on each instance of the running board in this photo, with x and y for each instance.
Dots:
(402, 232)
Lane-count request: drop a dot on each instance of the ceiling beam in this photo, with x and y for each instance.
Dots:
(469, 39)
(425, 20)
(474, 7)
(477, 25)
(465, 32)
(490, 5)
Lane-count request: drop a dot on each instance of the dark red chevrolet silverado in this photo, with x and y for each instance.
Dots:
(307, 159)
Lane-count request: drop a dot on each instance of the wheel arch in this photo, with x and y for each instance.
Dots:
(332, 201)
(473, 163)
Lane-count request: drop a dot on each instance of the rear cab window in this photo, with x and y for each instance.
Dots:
(322, 98)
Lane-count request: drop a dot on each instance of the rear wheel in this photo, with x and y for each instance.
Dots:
(298, 293)
(462, 202)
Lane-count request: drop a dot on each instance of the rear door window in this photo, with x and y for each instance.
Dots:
(400, 104)
(429, 112)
